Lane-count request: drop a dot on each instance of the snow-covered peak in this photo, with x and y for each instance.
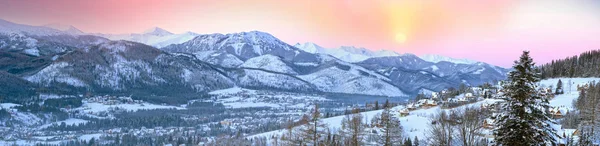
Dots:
(439, 58)
(268, 62)
(309, 47)
(254, 37)
(382, 53)
(346, 53)
(70, 29)
(157, 32)
(356, 50)
(8, 27)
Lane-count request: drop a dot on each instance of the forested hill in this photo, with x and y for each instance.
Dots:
(587, 64)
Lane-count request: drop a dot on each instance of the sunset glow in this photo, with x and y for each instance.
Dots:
(493, 31)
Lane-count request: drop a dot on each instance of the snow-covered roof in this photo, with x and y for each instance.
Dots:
(555, 110)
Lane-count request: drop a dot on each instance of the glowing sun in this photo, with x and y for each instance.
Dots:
(400, 37)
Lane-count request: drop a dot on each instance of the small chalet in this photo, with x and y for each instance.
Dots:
(404, 112)
(427, 103)
(412, 106)
(469, 95)
(488, 123)
(558, 112)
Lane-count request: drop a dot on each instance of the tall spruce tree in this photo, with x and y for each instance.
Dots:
(524, 121)
(559, 87)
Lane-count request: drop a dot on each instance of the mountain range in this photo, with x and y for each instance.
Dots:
(54, 59)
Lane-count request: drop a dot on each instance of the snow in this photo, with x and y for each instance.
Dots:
(91, 108)
(345, 53)
(157, 31)
(87, 137)
(268, 62)
(53, 73)
(7, 27)
(439, 58)
(434, 68)
(237, 97)
(156, 37)
(8, 105)
(414, 124)
(569, 87)
(32, 51)
(68, 122)
(254, 77)
(479, 71)
(65, 28)
(306, 63)
(336, 80)
(230, 91)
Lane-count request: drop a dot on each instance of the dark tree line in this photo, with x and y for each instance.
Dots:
(587, 64)
(587, 120)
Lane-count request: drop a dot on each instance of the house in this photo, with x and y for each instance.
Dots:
(488, 123)
(435, 95)
(225, 123)
(404, 112)
(427, 103)
(412, 106)
(558, 112)
(469, 95)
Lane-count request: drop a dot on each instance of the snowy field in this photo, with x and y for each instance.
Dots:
(570, 89)
(68, 122)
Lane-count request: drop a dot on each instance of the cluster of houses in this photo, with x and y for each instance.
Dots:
(435, 99)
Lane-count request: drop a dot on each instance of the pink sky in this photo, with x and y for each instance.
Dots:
(492, 31)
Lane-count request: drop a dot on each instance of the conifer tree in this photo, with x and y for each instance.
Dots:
(559, 87)
(524, 121)
(416, 141)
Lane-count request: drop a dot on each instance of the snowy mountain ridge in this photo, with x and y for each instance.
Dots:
(155, 36)
(70, 29)
(438, 58)
(345, 53)
(7, 27)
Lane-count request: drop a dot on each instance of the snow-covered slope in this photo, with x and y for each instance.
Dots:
(345, 53)
(257, 79)
(269, 62)
(569, 88)
(123, 66)
(439, 58)
(156, 37)
(416, 124)
(351, 81)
